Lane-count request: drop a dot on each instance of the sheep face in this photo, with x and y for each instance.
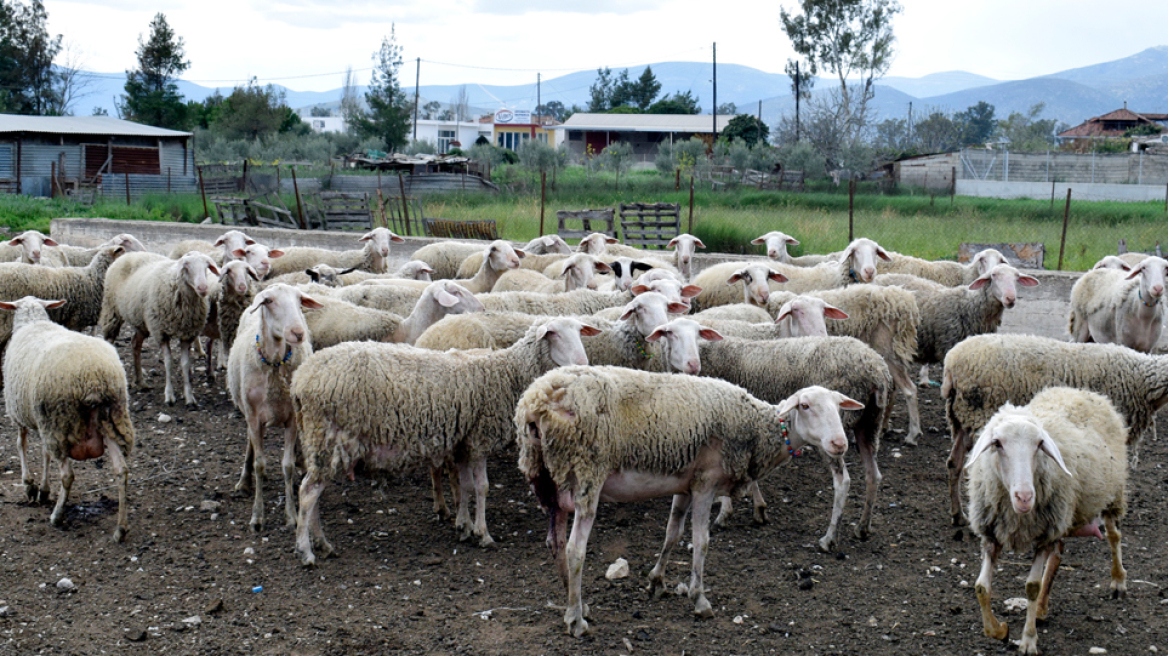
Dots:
(580, 271)
(776, 245)
(258, 256)
(813, 413)
(806, 316)
(754, 279)
(416, 270)
(231, 241)
(548, 244)
(986, 260)
(625, 268)
(672, 289)
(1003, 281)
(685, 245)
(650, 310)
(237, 277)
(563, 337)
(681, 344)
(1152, 272)
(501, 256)
(596, 243)
(323, 274)
(381, 238)
(453, 297)
(193, 269)
(1112, 262)
(128, 242)
(281, 319)
(30, 308)
(862, 254)
(1013, 440)
(30, 243)
(657, 274)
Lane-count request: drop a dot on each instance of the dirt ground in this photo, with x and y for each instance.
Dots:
(192, 581)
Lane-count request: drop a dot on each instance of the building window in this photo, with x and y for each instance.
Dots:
(444, 139)
(575, 136)
(511, 140)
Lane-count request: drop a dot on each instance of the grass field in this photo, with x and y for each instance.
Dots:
(909, 221)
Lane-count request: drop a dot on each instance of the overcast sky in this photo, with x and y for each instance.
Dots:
(306, 44)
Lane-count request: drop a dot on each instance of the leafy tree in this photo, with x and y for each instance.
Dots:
(351, 109)
(253, 112)
(937, 133)
(619, 157)
(622, 90)
(977, 123)
(431, 110)
(727, 108)
(320, 111)
(99, 111)
(554, 109)
(747, 128)
(644, 91)
(389, 111)
(802, 156)
(600, 93)
(1027, 131)
(28, 83)
(623, 109)
(678, 103)
(152, 96)
(851, 39)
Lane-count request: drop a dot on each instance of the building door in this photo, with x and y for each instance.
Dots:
(596, 141)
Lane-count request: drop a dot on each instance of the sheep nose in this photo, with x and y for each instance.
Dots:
(1157, 290)
(384, 251)
(839, 446)
(201, 289)
(1023, 501)
(582, 360)
(774, 255)
(1009, 301)
(297, 335)
(869, 272)
(764, 296)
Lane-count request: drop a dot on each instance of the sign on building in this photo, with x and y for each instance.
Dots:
(513, 117)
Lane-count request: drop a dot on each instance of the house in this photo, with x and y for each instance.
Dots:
(594, 132)
(514, 126)
(451, 134)
(99, 152)
(1114, 125)
(326, 123)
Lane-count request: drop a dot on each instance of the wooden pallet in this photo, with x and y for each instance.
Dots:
(450, 229)
(590, 221)
(343, 210)
(650, 224)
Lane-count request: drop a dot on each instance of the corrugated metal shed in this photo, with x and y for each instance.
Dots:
(697, 123)
(99, 125)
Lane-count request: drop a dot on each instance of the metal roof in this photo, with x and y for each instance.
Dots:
(102, 125)
(645, 122)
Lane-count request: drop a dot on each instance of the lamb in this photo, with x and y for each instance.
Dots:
(447, 256)
(592, 433)
(1041, 473)
(579, 271)
(340, 321)
(774, 369)
(500, 256)
(580, 301)
(415, 270)
(1112, 262)
(547, 244)
(273, 340)
(160, 297)
(29, 247)
(776, 243)
(950, 314)
(684, 245)
(221, 251)
(71, 390)
(81, 287)
(233, 295)
(1118, 307)
(81, 257)
(395, 408)
(471, 265)
(258, 256)
(373, 257)
(985, 372)
(950, 274)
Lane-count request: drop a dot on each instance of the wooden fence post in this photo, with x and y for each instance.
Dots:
(52, 179)
(691, 187)
(405, 206)
(127, 187)
(299, 203)
(203, 191)
(851, 206)
(677, 179)
(1063, 241)
(542, 198)
(953, 187)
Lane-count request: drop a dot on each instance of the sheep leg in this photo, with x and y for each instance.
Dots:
(924, 376)
(136, 345)
(900, 378)
(702, 504)
(481, 486)
(990, 624)
(309, 533)
(462, 522)
(255, 438)
(677, 513)
(288, 464)
(726, 509)
(1029, 642)
(245, 475)
(576, 549)
(872, 478)
(1052, 564)
(760, 504)
(1118, 573)
(841, 482)
(168, 391)
(58, 515)
(210, 367)
(440, 507)
(956, 465)
(184, 347)
(31, 491)
(121, 475)
(46, 461)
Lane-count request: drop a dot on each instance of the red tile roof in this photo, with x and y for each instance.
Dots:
(1094, 127)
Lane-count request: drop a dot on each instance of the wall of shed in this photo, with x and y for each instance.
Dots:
(38, 153)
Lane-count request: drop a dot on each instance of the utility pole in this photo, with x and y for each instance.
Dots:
(910, 125)
(715, 112)
(417, 79)
(798, 92)
(538, 99)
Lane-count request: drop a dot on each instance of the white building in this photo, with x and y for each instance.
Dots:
(446, 134)
(325, 123)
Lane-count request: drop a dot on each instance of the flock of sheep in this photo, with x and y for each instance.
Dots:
(620, 375)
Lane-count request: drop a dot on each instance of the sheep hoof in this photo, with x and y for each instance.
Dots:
(1118, 592)
(826, 545)
(862, 533)
(760, 516)
(703, 608)
(1002, 632)
(577, 627)
(31, 492)
(487, 542)
(191, 405)
(256, 525)
(57, 518)
(308, 560)
(120, 534)
(42, 495)
(170, 402)
(722, 519)
(656, 589)
(959, 520)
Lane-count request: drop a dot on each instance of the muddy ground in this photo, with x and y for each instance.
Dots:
(188, 581)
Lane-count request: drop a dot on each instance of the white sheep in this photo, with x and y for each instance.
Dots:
(1112, 262)
(373, 257)
(1120, 307)
(547, 244)
(684, 245)
(471, 265)
(321, 274)
(81, 257)
(599, 244)
(592, 433)
(625, 270)
(163, 298)
(390, 298)
(985, 372)
(30, 247)
(579, 301)
(272, 341)
(221, 251)
(447, 256)
(71, 390)
(339, 321)
(1041, 473)
(415, 270)
(498, 257)
(774, 369)
(950, 274)
(232, 296)
(258, 256)
(395, 407)
(578, 272)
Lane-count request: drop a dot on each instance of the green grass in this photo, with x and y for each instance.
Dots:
(908, 221)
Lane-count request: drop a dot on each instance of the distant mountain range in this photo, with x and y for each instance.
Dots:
(1071, 96)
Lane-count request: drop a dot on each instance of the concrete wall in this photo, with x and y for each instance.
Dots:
(1117, 168)
(1040, 310)
(1079, 191)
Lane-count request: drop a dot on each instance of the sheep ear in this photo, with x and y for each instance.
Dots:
(848, 403)
(883, 254)
(275, 252)
(16, 241)
(248, 240)
(521, 253)
(637, 290)
(656, 335)
(677, 308)
(256, 302)
(737, 277)
(699, 244)
(240, 253)
(710, 334)
(445, 298)
(49, 242)
(7, 305)
(834, 313)
(784, 312)
(541, 332)
(1051, 449)
(1135, 271)
(312, 273)
(982, 281)
(1027, 281)
(758, 241)
(629, 310)
(310, 303)
(396, 238)
(601, 267)
(788, 404)
(50, 305)
(640, 266)
(979, 447)
(589, 331)
(690, 291)
(253, 273)
(776, 276)
(611, 240)
(352, 269)
(567, 268)
(219, 241)
(212, 268)
(366, 237)
(673, 242)
(792, 241)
